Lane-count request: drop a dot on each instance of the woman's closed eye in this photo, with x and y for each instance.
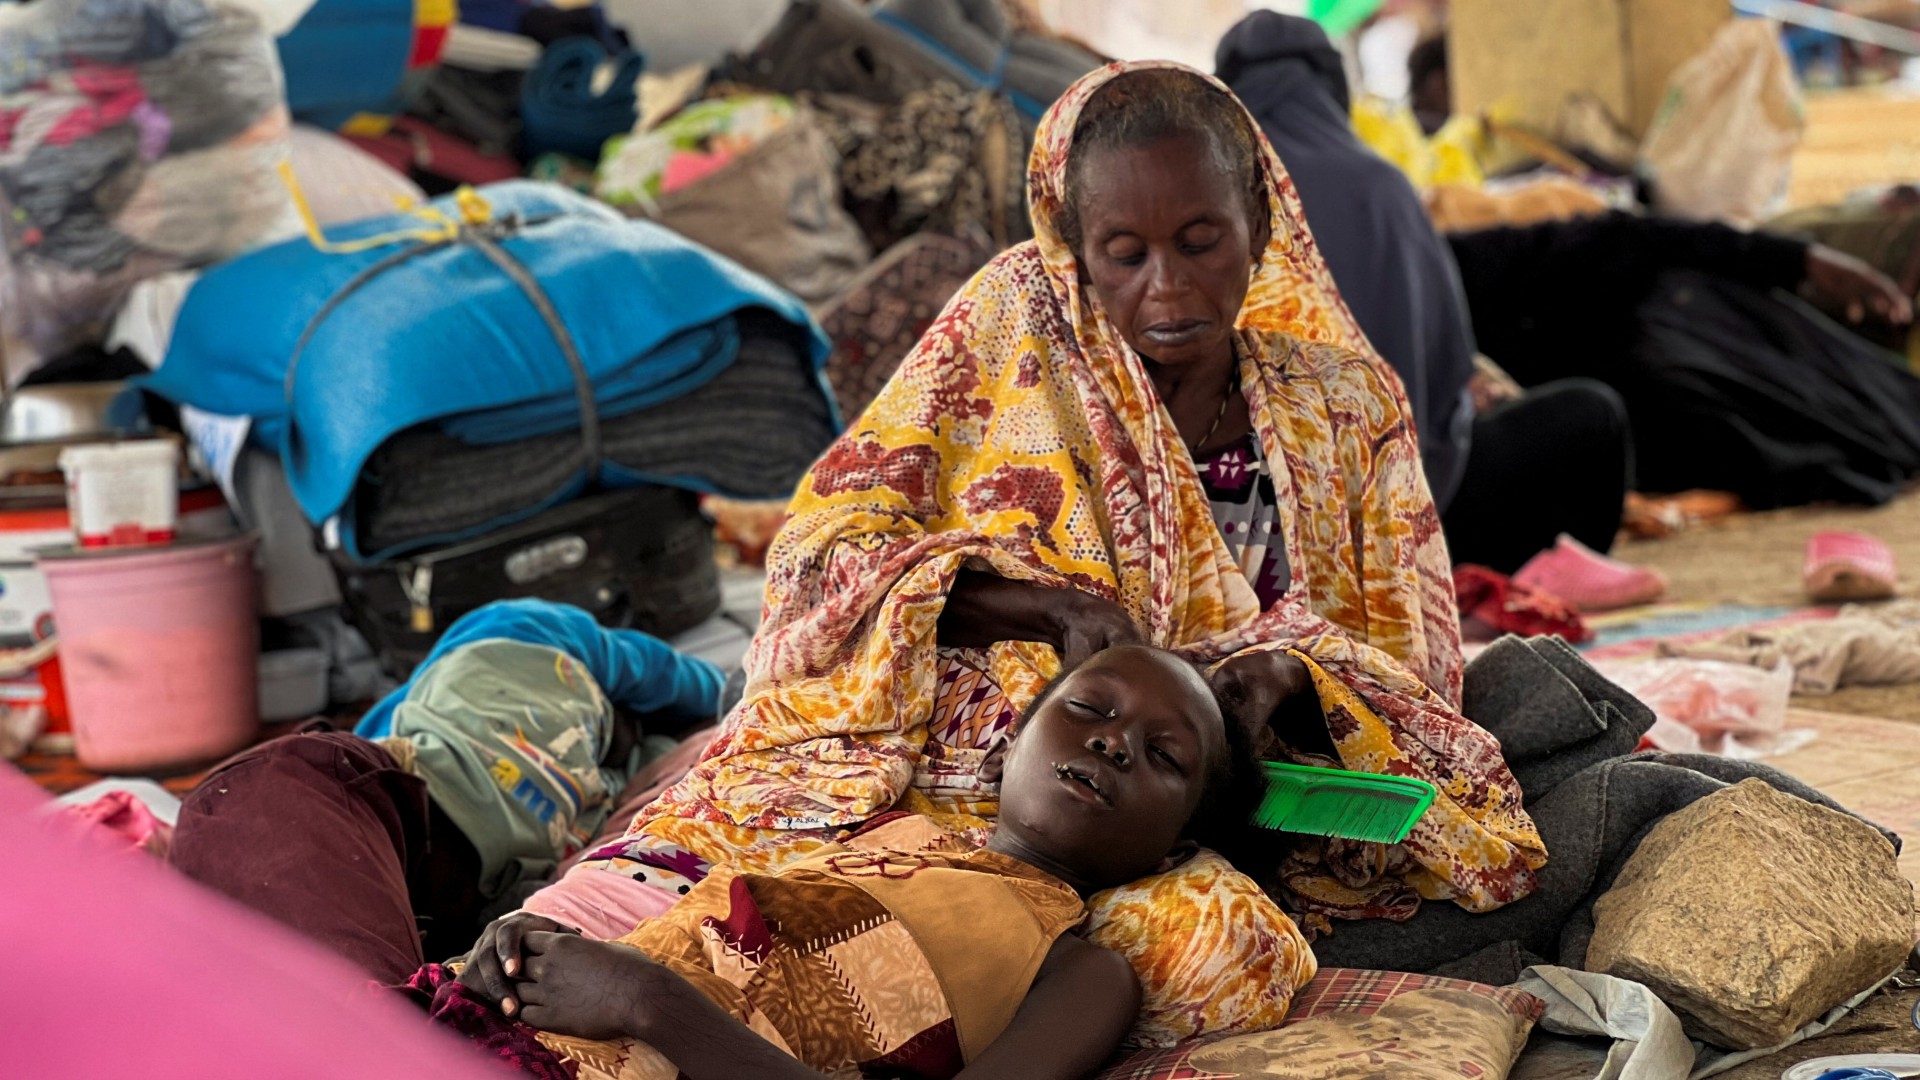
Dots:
(1200, 239)
(1167, 758)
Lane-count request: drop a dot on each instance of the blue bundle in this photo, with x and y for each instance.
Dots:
(410, 340)
(559, 110)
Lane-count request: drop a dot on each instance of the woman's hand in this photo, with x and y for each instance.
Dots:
(570, 985)
(983, 609)
(1847, 285)
(498, 957)
(1086, 624)
(1272, 691)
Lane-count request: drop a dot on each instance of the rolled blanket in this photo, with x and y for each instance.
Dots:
(559, 109)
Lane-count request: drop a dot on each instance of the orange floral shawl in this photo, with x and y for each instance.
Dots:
(1023, 436)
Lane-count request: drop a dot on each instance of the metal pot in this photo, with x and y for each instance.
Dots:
(59, 411)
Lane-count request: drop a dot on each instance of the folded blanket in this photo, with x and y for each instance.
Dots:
(751, 432)
(976, 40)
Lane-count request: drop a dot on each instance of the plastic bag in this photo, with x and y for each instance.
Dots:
(795, 230)
(1722, 144)
(1706, 706)
(136, 136)
(700, 139)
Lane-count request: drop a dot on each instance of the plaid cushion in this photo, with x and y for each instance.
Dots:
(1364, 991)
(1333, 990)
(1170, 1064)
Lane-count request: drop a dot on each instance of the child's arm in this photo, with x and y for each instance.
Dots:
(1082, 1003)
(604, 990)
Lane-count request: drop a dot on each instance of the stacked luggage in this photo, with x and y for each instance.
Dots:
(515, 392)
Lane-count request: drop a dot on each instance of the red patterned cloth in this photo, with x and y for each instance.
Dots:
(437, 990)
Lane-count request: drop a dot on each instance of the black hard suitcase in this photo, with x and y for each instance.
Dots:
(639, 558)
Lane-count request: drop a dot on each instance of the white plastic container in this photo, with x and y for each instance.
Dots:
(123, 494)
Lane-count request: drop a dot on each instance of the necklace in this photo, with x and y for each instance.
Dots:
(1233, 385)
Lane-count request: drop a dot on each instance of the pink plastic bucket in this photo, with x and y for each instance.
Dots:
(159, 651)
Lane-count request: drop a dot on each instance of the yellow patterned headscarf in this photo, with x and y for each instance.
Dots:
(1023, 436)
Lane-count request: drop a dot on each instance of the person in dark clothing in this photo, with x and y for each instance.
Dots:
(1730, 381)
(1508, 483)
(1429, 85)
(1560, 454)
(1546, 299)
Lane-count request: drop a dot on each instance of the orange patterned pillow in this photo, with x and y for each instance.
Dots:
(1214, 954)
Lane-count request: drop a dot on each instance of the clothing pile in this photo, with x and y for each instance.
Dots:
(473, 101)
(921, 115)
(136, 136)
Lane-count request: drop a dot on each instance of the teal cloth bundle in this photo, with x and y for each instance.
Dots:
(559, 110)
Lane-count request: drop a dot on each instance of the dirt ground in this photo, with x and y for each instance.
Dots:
(1756, 559)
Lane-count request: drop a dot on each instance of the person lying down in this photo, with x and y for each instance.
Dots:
(898, 952)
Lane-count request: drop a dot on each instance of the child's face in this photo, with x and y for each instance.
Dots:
(1103, 777)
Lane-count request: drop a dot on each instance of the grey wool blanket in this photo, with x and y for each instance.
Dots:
(1569, 735)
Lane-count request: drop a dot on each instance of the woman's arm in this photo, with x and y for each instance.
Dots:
(1082, 1002)
(1271, 690)
(983, 609)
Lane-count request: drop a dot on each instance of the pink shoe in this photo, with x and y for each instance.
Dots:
(1844, 567)
(1589, 580)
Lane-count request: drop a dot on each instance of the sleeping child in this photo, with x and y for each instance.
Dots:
(899, 952)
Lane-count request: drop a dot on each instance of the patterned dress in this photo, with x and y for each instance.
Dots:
(901, 961)
(1240, 490)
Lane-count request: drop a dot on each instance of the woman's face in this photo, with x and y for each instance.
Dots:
(1168, 247)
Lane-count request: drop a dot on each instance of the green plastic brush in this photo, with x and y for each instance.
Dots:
(1335, 802)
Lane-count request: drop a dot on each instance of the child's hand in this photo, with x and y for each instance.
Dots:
(588, 989)
(498, 956)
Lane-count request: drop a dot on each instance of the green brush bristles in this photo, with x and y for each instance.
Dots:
(1335, 802)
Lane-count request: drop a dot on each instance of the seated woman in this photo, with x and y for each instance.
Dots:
(1157, 422)
(887, 952)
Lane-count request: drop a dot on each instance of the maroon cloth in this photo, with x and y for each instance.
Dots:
(453, 1006)
(653, 778)
(321, 831)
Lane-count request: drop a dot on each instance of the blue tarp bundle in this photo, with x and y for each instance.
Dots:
(447, 339)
